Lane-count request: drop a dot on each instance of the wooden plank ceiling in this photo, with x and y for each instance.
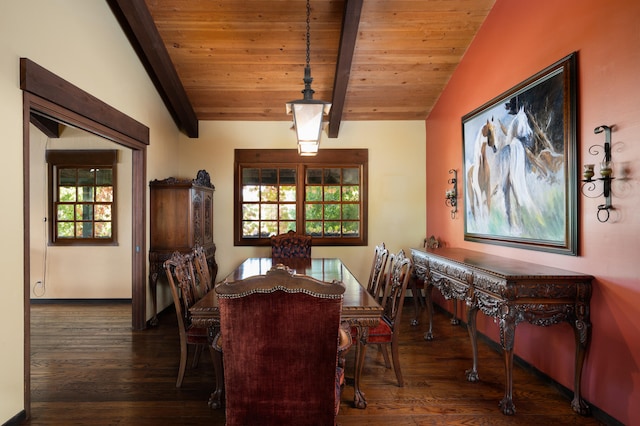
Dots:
(243, 60)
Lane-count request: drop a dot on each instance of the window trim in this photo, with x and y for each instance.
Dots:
(80, 159)
(265, 158)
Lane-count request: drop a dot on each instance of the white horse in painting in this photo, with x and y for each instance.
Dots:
(479, 172)
(512, 165)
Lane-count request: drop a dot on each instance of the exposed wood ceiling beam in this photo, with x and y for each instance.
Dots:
(138, 25)
(348, 36)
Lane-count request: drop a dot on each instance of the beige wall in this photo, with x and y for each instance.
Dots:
(396, 182)
(78, 272)
(80, 41)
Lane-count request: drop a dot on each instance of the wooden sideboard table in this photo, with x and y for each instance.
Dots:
(511, 291)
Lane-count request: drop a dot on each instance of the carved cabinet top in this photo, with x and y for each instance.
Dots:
(202, 179)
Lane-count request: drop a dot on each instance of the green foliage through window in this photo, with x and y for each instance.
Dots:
(279, 191)
(83, 196)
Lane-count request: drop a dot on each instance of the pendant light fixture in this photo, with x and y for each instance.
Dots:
(308, 113)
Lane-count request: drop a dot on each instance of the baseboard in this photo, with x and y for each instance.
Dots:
(17, 419)
(78, 301)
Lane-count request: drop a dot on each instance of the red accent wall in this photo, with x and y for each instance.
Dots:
(518, 39)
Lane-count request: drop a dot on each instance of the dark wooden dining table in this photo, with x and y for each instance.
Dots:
(359, 310)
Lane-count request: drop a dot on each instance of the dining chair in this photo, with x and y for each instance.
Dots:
(280, 339)
(376, 276)
(291, 244)
(180, 274)
(386, 333)
(205, 281)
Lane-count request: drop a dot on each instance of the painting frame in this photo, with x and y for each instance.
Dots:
(520, 164)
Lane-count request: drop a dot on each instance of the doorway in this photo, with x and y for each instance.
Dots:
(51, 100)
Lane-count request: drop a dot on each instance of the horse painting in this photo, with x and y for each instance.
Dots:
(479, 172)
(513, 168)
(519, 161)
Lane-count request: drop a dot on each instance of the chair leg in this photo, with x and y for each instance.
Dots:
(196, 356)
(183, 363)
(396, 362)
(385, 355)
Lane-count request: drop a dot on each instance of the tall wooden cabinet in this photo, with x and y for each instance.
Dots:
(181, 217)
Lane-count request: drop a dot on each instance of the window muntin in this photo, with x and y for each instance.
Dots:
(268, 201)
(84, 203)
(332, 202)
(322, 196)
(82, 197)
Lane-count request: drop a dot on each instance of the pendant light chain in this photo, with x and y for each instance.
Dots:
(308, 113)
(308, 32)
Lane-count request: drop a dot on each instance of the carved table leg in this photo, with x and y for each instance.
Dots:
(428, 288)
(362, 336)
(581, 332)
(454, 319)
(215, 400)
(415, 292)
(153, 285)
(472, 373)
(507, 339)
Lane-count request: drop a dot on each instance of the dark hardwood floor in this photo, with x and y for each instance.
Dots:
(89, 368)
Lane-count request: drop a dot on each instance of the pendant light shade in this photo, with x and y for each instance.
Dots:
(308, 114)
(308, 123)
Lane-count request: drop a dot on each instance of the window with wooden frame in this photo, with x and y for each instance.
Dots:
(277, 190)
(82, 202)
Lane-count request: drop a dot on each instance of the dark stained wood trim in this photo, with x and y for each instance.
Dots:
(350, 24)
(43, 83)
(290, 157)
(47, 126)
(136, 21)
(138, 238)
(26, 244)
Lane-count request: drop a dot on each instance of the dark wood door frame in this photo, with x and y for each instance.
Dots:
(47, 95)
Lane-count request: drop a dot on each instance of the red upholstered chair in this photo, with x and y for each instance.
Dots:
(387, 332)
(279, 335)
(290, 245)
(180, 274)
(376, 276)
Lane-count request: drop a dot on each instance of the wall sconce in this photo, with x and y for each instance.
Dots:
(451, 195)
(590, 185)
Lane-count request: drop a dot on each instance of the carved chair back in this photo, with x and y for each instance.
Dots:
(395, 287)
(376, 276)
(201, 265)
(291, 245)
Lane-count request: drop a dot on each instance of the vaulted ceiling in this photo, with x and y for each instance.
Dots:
(244, 59)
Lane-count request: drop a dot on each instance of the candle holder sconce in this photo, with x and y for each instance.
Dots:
(591, 186)
(451, 195)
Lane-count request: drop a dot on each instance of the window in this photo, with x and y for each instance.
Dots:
(82, 197)
(323, 196)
